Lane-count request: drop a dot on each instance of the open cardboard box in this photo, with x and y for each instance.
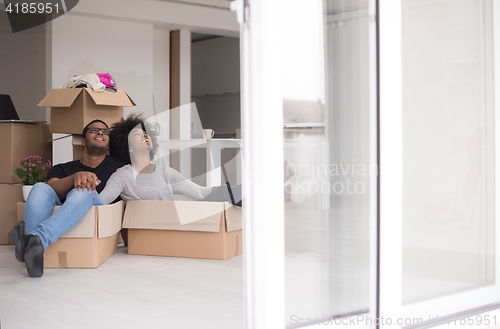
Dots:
(10, 195)
(184, 229)
(89, 243)
(73, 108)
(20, 140)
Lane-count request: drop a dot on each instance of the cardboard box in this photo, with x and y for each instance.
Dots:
(72, 109)
(77, 147)
(89, 243)
(20, 140)
(10, 195)
(183, 229)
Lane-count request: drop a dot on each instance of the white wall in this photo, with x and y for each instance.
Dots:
(83, 45)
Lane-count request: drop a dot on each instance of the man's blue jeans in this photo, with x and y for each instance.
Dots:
(38, 209)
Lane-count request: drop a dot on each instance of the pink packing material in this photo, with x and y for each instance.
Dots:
(105, 79)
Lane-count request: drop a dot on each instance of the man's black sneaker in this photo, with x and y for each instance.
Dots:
(17, 233)
(33, 256)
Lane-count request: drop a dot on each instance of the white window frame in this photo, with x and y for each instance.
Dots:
(263, 164)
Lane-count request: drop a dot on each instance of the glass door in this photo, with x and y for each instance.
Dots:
(329, 134)
(309, 130)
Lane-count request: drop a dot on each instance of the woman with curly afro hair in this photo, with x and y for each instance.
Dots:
(134, 141)
(119, 137)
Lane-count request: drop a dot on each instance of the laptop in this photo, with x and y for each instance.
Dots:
(7, 109)
(8, 112)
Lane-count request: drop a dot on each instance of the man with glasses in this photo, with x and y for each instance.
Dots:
(74, 186)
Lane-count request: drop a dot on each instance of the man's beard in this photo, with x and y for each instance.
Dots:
(96, 150)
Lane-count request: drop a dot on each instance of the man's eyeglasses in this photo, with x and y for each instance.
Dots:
(95, 130)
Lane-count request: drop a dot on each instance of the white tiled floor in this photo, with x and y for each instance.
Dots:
(127, 291)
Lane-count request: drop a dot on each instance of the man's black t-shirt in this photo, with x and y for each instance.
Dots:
(103, 171)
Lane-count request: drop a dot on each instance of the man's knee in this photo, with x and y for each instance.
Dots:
(40, 193)
(41, 187)
(79, 196)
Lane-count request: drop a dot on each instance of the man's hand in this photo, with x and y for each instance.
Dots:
(85, 180)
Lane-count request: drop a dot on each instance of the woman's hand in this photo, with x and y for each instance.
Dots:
(86, 180)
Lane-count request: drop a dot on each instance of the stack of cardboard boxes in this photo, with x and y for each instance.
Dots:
(19, 140)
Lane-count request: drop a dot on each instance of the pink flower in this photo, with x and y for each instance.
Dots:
(34, 165)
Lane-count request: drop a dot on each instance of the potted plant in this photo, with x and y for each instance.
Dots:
(31, 173)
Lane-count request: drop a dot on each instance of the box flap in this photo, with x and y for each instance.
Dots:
(173, 215)
(84, 229)
(60, 97)
(192, 211)
(120, 98)
(109, 219)
(234, 220)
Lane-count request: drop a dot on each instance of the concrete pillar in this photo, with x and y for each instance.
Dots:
(180, 94)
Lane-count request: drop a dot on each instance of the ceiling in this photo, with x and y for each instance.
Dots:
(195, 37)
(219, 4)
